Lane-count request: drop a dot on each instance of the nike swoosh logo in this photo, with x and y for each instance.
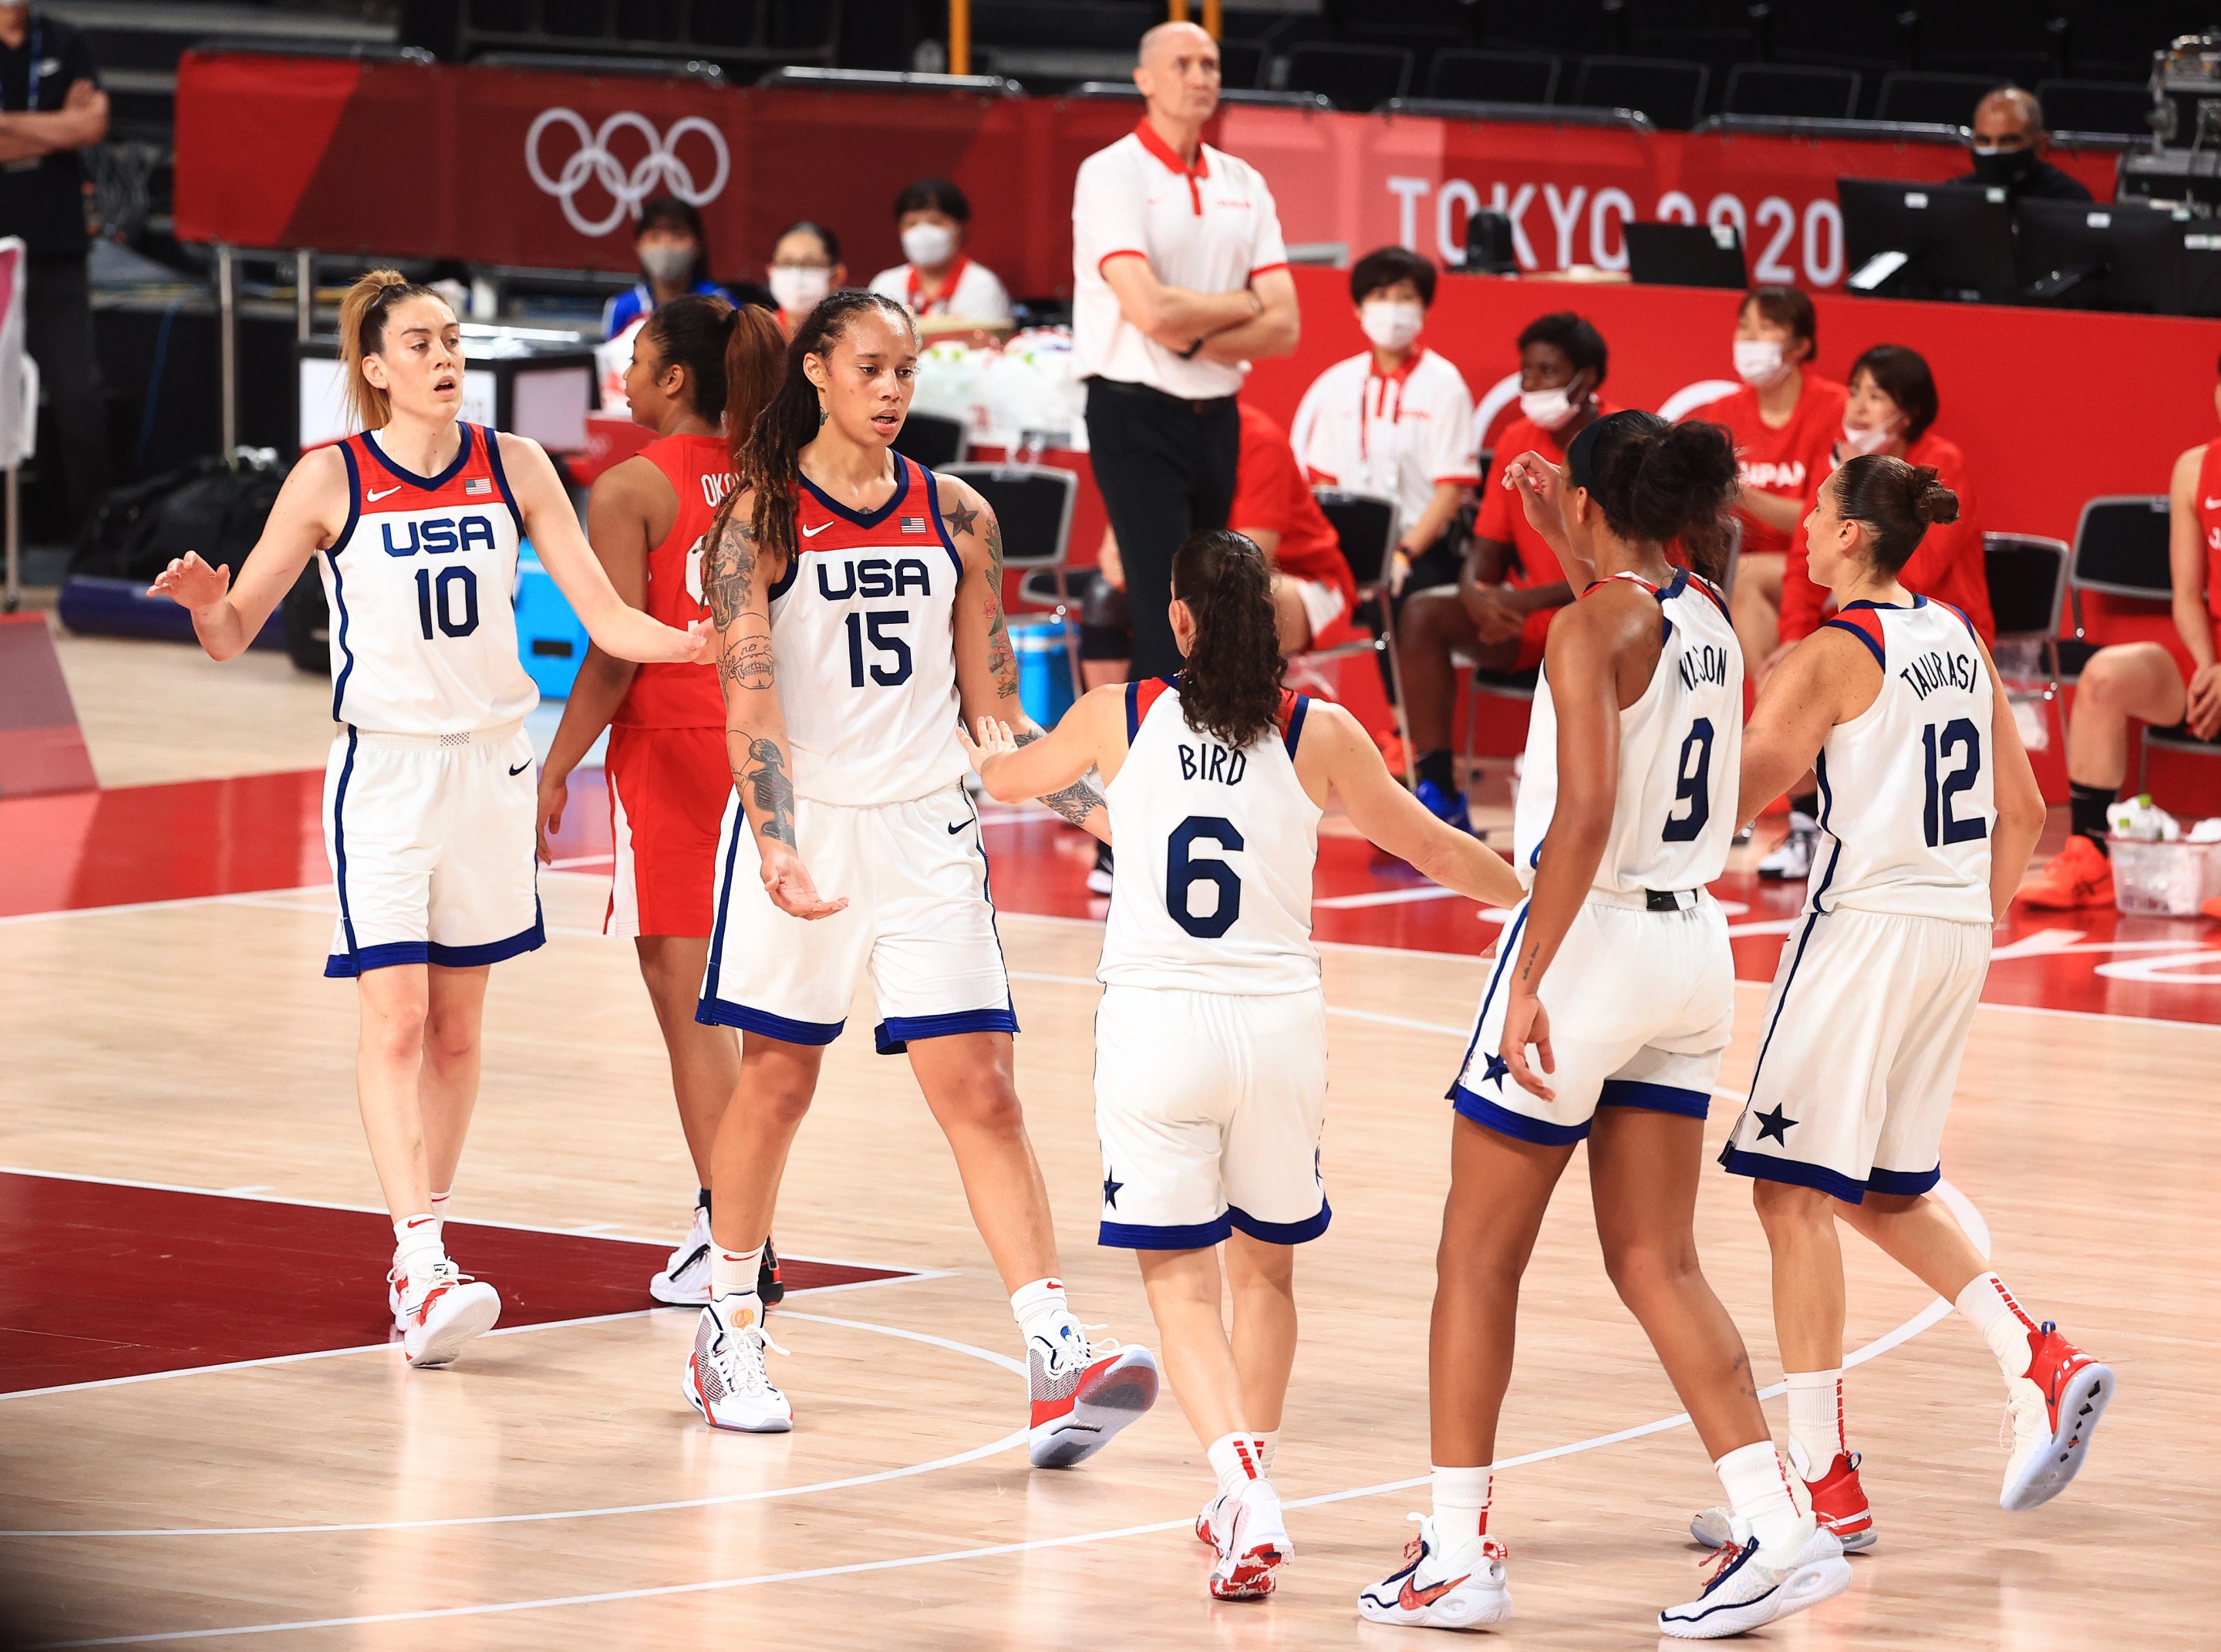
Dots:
(812, 533)
(958, 827)
(2213, 504)
(1412, 1599)
(521, 767)
(375, 494)
(419, 1221)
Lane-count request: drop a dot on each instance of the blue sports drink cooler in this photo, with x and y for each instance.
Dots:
(550, 639)
(1044, 673)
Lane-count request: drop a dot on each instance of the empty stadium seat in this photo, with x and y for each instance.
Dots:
(1787, 89)
(1471, 77)
(1671, 93)
(1354, 77)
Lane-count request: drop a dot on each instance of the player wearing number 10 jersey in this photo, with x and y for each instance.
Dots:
(1929, 809)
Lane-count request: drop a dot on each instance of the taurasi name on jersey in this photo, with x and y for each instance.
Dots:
(1935, 670)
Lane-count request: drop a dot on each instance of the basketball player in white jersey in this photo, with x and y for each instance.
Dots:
(1211, 1044)
(1616, 972)
(429, 792)
(858, 598)
(1930, 811)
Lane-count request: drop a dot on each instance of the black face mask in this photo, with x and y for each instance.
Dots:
(2006, 169)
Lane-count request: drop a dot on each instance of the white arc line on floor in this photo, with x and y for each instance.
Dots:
(1937, 1309)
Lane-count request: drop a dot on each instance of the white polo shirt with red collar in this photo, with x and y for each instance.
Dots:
(1206, 228)
(1401, 434)
(973, 292)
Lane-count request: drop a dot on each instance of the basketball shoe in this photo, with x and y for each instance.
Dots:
(439, 1310)
(1083, 1392)
(725, 1377)
(2078, 875)
(1251, 1536)
(1744, 1592)
(685, 1281)
(1447, 807)
(1839, 1502)
(1790, 860)
(2051, 1412)
(1461, 1590)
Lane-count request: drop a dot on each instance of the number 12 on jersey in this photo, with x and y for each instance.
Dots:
(1957, 738)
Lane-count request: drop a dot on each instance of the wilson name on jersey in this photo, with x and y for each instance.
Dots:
(1681, 754)
(1907, 793)
(422, 584)
(1216, 848)
(863, 627)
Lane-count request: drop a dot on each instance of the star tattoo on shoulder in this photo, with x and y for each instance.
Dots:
(960, 516)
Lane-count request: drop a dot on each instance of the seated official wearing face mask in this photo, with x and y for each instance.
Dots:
(2009, 143)
(672, 249)
(938, 280)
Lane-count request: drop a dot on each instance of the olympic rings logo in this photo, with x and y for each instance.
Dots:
(661, 168)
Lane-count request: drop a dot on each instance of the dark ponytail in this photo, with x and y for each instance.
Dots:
(770, 462)
(1660, 483)
(693, 333)
(1230, 686)
(1894, 501)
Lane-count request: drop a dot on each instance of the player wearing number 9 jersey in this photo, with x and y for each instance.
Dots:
(1210, 1043)
(1929, 811)
(427, 796)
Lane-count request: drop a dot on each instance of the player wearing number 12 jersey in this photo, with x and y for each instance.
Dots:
(1211, 1044)
(1929, 811)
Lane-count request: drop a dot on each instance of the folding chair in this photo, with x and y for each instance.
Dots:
(1034, 504)
(2120, 550)
(1365, 527)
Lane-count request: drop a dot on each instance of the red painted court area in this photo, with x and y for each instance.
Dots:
(177, 1255)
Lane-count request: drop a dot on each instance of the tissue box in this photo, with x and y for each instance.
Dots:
(2164, 879)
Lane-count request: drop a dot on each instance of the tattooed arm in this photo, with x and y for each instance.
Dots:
(986, 669)
(738, 590)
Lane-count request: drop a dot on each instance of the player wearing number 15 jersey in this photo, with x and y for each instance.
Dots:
(1929, 809)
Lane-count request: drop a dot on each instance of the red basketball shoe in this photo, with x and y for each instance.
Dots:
(2078, 875)
(1839, 1503)
(2053, 1411)
(1083, 1392)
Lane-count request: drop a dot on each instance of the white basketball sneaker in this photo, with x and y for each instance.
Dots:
(1251, 1540)
(1790, 860)
(1462, 1590)
(1744, 1592)
(1083, 1392)
(725, 1378)
(440, 1310)
(685, 1281)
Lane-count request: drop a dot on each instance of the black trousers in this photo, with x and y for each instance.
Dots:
(1165, 469)
(58, 317)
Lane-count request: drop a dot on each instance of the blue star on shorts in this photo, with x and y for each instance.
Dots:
(1776, 1124)
(1111, 1191)
(1497, 1067)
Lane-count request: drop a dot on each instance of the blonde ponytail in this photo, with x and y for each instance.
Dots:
(362, 333)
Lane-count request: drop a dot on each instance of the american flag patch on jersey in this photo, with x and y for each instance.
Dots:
(913, 524)
(479, 485)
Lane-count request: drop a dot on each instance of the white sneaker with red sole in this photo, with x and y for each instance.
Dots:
(2052, 1411)
(725, 1377)
(1839, 1503)
(1083, 1393)
(440, 1311)
(1251, 1538)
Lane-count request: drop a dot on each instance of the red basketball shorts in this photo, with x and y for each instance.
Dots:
(667, 792)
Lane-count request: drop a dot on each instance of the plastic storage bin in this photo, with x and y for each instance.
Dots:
(1044, 669)
(550, 638)
(2164, 879)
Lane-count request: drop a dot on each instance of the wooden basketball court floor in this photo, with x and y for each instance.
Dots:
(203, 1436)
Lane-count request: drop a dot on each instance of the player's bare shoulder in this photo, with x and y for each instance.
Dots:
(972, 525)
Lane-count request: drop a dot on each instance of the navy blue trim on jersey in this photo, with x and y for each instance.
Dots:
(339, 842)
(1504, 948)
(1781, 1003)
(784, 582)
(1296, 715)
(1142, 1235)
(1655, 1097)
(1133, 710)
(1827, 811)
(893, 1035)
(492, 952)
(387, 955)
(1795, 1173)
(1903, 1183)
(1960, 614)
(1518, 1126)
(462, 458)
(1281, 1233)
(725, 910)
(940, 526)
(339, 593)
(1881, 658)
(866, 518)
(716, 1012)
(501, 481)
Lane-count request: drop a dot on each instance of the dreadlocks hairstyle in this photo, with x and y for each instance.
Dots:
(1230, 686)
(771, 463)
(362, 333)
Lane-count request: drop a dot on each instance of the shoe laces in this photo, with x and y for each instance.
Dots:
(740, 1356)
(1720, 1559)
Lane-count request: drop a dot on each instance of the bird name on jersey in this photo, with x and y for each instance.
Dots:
(438, 535)
(1212, 761)
(1706, 663)
(1936, 669)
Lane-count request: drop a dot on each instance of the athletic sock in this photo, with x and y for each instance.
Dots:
(1991, 1310)
(416, 1244)
(2086, 810)
(1757, 1483)
(1268, 1450)
(1234, 1459)
(1441, 767)
(734, 1272)
(1461, 1506)
(440, 1210)
(1041, 1310)
(1816, 1418)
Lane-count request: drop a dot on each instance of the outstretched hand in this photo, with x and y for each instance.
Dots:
(702, 639)
(190, 583)
(554, 798)
(1541, 486)
(1526, 1022)
(792, 889)
(995, 740)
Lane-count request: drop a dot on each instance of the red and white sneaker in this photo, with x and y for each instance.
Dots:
(725, 1378)
(1207, 1522)
(2052, 1412)
(1251, 1537)
(2078, 875)
(1083, 1393)
(1839, 1503)
(440, 1310)
(1431, 1590)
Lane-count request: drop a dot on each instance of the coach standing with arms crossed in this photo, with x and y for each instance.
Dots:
(1178, 276)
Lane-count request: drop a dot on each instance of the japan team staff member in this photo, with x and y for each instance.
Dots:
(1179, 277)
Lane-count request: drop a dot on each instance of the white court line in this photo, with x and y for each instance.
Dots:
(1936, 1310)
(1387, 897)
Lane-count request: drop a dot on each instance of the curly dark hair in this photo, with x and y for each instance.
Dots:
(1230, 686)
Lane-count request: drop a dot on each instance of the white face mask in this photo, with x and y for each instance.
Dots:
(1392, 324)
(1551, 410)
(929, 246)
(667, 260)
(800, 288)
(1758, 363)
(1869, 441)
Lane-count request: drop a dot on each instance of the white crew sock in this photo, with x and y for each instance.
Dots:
(416, 1245)
(1268, 1450)
(1461, 1506)
(1234, 1459)
(1816, 1419)
(734, 1272)
(1041, 1310)
(1990, 1308)
(1758, 1484)
(440, 1210)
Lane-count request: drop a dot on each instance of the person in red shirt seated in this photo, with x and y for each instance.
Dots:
(1891, 406)
(1786, 421)
(1500, 610)
(2170, 681)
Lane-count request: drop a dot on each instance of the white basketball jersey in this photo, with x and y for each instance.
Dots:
(863, 628)
(422, 584)
(1907, 791)
(1681, 755)
(1215, 849)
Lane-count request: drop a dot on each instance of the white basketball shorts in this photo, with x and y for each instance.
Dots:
(1639, 1005)
(1209, 1106)
(430, 843)
(919, 919)
(1860, 1053)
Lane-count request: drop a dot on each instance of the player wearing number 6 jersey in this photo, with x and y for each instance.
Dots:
(427, 796)
(858, 599)
(1616, 972)
(1211, 1044)
(1929, 811)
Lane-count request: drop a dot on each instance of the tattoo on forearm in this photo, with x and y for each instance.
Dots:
(764, 781)
(746, 660)
(1001, 661)
(1077, 801)
(730, 578)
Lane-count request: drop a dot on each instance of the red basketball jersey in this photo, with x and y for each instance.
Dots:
(681, 696)
(2208, 507)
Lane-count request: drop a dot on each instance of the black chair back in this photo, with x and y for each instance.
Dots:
(2120, 547)
(1787, 89)
(1669, 91)
(1365, 525)
(1474, 77)
(2120, 107)
(1241, 63)
(2027, 578)
(1032, 503)
(1937, 99)
(1354, 77)
(931, 440)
